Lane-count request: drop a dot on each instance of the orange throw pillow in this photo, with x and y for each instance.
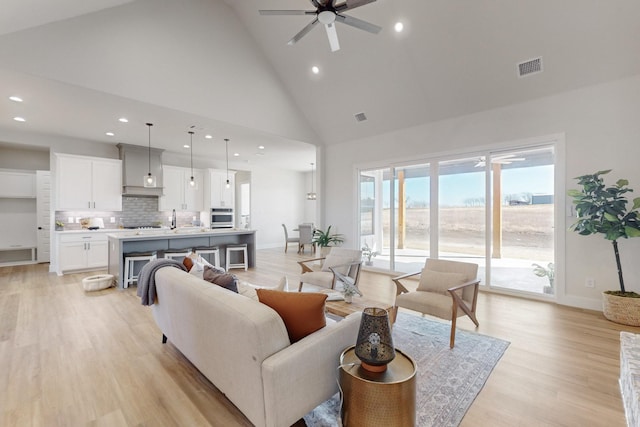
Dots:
(302, 312)
(188, 263)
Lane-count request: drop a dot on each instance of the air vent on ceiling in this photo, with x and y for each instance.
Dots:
(532, 66)
(360, 117)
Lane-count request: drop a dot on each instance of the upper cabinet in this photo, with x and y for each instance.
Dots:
(17, 184)
(178, 192)
(218, 195)
(88, 183)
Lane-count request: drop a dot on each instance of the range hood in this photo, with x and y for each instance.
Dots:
(135, 165)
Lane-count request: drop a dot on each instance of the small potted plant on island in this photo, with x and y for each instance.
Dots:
(324, 239)
(549, 272)
(59, 225)
(601, 209)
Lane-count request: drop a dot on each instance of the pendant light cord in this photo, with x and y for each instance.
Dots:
(149, 125)
(191, 145)
(226, 140)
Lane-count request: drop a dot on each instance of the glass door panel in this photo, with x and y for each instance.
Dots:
(375, 229)
(412, 217)
(462, 211)
(523, 220)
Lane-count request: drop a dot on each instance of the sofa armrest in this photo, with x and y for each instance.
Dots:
(303, 375)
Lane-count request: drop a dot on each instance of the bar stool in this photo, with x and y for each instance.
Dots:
(237, 248)
(130, 259)
(177, 254)
(210, 250)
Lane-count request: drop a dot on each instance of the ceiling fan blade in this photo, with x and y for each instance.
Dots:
(358, 23)
(303, 32)
(287, 12)
(333, 36)
(352, 4)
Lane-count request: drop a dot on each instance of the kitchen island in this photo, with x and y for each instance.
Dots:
(162, 240)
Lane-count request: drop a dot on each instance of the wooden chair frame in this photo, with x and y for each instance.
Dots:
(307, 269)
(456, 302)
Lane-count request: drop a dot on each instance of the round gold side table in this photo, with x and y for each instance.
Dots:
(378, 399)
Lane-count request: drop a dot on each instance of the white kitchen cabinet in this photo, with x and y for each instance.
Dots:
(178, 193)
(17, 184)
(82, 251)
(88, 183)
(217, 194)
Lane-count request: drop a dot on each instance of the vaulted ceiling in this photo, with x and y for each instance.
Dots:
(220, 66)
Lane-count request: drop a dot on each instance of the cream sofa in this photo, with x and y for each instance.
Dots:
(243, 348)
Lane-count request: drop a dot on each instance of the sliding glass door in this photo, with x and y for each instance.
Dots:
(494, 208)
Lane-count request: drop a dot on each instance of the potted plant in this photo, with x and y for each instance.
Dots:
(324, 239)
(349, 290)
(368, 253)
(59, 225)
(549, 272)
(603, 210)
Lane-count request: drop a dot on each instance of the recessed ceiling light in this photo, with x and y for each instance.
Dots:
(15, 98)
(123, 120)
(261, 147)
(259, 154)
(315, 69)
(186, 145)
(19, 119)
(236, 154)
(398, 27)
(208, 136)
(110, 134)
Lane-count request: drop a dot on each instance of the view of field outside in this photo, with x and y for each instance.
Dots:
(527, 224)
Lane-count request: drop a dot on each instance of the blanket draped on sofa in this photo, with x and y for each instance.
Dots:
(147, 278)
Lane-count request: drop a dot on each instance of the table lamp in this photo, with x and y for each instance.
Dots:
(374, 346)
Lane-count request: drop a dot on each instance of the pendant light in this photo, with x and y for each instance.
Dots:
(149, 180)
(226, 141)
(312, 194)
(192, 181)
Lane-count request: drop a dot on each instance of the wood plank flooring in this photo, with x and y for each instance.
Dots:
(70, 358)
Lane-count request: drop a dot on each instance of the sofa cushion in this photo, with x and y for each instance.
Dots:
(198, 267)
(226, 280)
(302, 313)
(436, 281)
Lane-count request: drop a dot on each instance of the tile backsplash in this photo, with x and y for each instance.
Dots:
(136, 211)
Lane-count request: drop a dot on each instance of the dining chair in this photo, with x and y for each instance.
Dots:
(305, 231)
(288, 239)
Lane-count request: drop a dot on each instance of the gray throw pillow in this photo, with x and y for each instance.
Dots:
(226, 280)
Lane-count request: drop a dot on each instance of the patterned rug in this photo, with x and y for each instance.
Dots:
(448, 379)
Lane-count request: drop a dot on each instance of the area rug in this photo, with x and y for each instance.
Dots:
(448, 379)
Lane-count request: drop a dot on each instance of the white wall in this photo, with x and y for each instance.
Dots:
(602, 131)
(277, 197)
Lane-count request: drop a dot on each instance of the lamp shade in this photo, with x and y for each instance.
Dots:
(374, 346)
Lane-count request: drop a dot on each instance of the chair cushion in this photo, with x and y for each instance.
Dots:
(225, 280)
(302, 313)
(434, 304)
(318, 278)
(435, 281)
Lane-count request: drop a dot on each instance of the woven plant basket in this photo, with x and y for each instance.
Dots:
(622, 310)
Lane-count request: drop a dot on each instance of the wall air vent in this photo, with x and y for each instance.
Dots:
(532, 66)
(360, 117)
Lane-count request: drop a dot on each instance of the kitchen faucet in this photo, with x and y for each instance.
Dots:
(173, 219)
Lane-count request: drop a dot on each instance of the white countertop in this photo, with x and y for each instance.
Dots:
(178, 232)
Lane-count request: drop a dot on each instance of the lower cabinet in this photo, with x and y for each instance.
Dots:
(82, 251)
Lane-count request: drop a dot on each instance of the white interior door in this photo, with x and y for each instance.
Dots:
(43, 212)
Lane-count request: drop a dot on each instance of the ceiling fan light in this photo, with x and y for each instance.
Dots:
(326, 17)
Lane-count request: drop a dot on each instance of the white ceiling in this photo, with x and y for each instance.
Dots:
(221, 66)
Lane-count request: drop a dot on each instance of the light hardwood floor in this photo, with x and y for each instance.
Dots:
(70, 358)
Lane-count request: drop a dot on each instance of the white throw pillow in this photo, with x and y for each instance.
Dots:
(249, 290)
(435, 281)
(198, 267)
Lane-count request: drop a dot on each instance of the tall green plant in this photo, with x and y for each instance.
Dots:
(325, 238)
(603, 210)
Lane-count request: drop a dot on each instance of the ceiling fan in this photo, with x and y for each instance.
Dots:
(328, 13)
(502, 160)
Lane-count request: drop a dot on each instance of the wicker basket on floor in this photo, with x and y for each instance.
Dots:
(622, 310)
